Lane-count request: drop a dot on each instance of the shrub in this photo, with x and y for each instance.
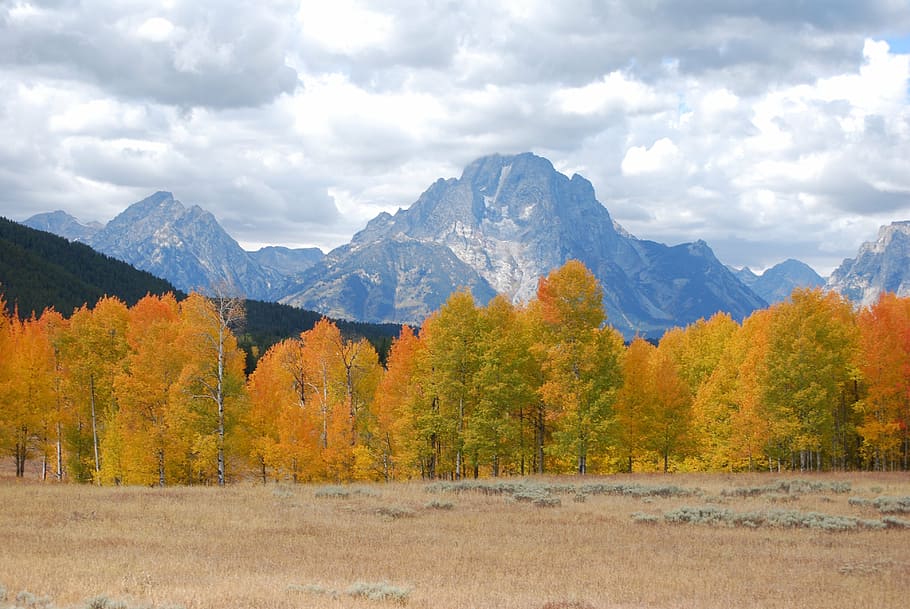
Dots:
(30, 601)
(645, 518)
(547, 502)
(892, 505)
(436, 504)
(332, 492)
(382, 591)
(710, 515)
(394, 512)
(103, 602)
(895, 523)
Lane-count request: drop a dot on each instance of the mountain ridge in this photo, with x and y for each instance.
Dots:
(512, 219)
(880, 266)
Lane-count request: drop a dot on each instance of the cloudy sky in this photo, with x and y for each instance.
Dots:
(768, 128)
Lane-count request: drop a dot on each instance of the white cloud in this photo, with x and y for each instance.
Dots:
(615, 92)
(156, 29)
(662, 156)
(697, 121)
(343, 26)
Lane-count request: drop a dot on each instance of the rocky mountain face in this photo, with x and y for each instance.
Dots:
(64, 225)
(287, 261)
(880, 266)
(777, 283)
(186, 246)
(506, 222)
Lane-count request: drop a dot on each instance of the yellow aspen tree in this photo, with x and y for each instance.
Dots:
(93, 350)
(507, 382)
(630, 424)
(581, 363)
(54, 327)
(210, 390)
(812, 342)
(452, 351)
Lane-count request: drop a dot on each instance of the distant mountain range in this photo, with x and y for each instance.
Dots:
(777, 283)
(504, 223)
(185, 245)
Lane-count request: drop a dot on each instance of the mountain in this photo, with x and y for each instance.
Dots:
(504, 223)
(40, 270)
(880, 266)
(63, 224)
(777, 283)
(185, 245)
(287, 261)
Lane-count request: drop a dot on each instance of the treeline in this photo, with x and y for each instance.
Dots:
(156, 393)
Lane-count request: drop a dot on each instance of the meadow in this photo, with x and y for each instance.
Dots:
(625, 541)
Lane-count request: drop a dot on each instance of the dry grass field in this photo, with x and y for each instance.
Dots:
(826, 541)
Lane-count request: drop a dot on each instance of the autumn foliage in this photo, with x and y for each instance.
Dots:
(155, 394)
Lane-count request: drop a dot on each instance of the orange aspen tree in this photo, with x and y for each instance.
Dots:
(26, 390)
(394, 410)
(143, 390)
(669, 408)
(883, 360)
(283, 420)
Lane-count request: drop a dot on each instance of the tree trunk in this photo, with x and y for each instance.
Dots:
(160, 467)
(94, 426)
(540, 437)
(59, 452)
(220, 399)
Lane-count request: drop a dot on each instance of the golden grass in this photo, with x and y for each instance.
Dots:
(276, 546)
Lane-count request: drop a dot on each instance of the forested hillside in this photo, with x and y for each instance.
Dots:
(40, 270)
